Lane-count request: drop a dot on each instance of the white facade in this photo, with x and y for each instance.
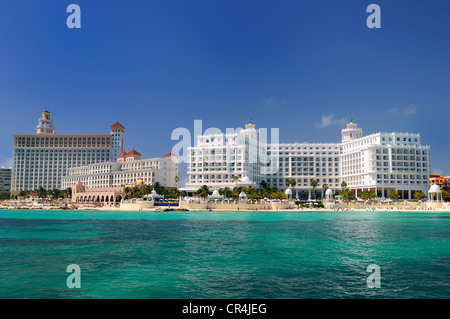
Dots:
(5, 179)
(217, 158)
(113, 174)
(305, 162)
(386, 161)
(378, 162)
(42, 159)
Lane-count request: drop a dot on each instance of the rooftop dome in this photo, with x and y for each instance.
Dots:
(435, 189)
(329, 192)
(288, 191)
(245, 181)
(216, 193)
(242, 194)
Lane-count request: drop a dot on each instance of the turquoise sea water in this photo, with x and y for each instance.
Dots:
(223, 254)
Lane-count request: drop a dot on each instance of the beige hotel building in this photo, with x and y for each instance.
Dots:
(44, 158)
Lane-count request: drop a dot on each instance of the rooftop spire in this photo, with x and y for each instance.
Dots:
(45, 124)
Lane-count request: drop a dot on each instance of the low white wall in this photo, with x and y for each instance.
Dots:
(237, 206)
(135, 206)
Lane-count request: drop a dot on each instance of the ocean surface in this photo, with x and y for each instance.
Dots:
(224, 254)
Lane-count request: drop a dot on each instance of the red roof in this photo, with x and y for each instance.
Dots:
(133, 152)
(46, 111)
(87, 164)
(170, 154)
(123, 154)
(117, 124)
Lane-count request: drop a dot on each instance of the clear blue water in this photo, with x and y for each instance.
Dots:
(224, 255)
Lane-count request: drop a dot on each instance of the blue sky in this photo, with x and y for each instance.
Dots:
(305, 67)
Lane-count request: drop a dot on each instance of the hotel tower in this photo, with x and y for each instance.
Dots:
(42, 159)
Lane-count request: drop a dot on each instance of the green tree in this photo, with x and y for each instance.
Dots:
(136, 191)
(56, 193)
(314, 184)
(159, 189)
(67, 192)
(42, 192)
(347, 195)
(203, 191)
(394, 195)
(172, 193)
(176, 178)
(227, 192)
(235, 179)
(263, 185)
(291, 182)
(128, 192)
(146, 189)
(5, 195)
(419, 195)
(364, 195)
(445, 194)
(343, 185)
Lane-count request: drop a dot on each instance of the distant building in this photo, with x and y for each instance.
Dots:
(102, 196)
(378, 162)
(43, 159)
(128, 169)
(5, 179)
(441, 181)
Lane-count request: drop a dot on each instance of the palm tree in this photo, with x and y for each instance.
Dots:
(159, 189)
(314, 184)
(42, 192)
(67, 192)
(263, 184)
(343, 184)
(226, 192)
(56, 193)
(128, 192)
(445, 194)
(176, 180)
(419, 195)
(364, 195)
(347, 195)
(291, 182)
(235, 179)
(203, 191)
(236, 191)
(324, 187)
(174, 193)
(393, 194)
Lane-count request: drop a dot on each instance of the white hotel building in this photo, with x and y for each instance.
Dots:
(378, 162)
